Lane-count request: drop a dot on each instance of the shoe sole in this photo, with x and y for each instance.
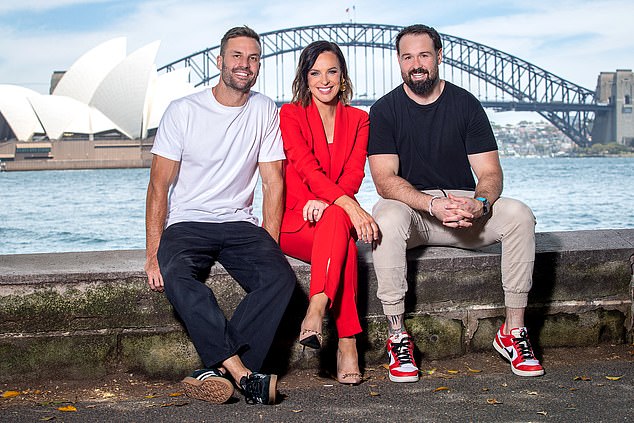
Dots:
(528, 373)
(272, 389)
(403, 378)
(214, 389)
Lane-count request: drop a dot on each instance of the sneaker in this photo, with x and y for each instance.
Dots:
(259, 388)
(516, 348)
(208, 385)
(400, 352)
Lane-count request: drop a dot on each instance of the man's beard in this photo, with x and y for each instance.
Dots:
(238, 85)
(421, 87)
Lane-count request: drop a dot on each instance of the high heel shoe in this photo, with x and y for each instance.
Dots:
(310, 338)
(347, 377)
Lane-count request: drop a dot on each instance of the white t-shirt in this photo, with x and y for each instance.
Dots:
(219, 148)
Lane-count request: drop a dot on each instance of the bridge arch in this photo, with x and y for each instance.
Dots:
(570, 107)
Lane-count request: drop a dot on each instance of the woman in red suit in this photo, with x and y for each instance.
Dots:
(325, 141)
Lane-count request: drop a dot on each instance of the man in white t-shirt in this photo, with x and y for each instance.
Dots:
(209, 150)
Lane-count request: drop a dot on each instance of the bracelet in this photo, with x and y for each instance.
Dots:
(431, 204)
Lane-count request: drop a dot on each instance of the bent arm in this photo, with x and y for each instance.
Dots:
(162, 174)
(488, 171)
(272, 174)
(384, 170)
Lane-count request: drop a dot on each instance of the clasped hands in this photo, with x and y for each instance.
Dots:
(457, 211)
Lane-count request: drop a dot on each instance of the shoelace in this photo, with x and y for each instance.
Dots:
(252, 388)
(402, 350)
(524, 346)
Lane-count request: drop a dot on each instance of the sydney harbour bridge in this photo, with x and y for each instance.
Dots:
(500, 80)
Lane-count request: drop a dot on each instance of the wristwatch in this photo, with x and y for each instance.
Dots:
(485, 205)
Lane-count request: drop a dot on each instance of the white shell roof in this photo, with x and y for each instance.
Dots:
(60, 114)
(103, 90)
(122, 94)
(17, 111)
(84, 76)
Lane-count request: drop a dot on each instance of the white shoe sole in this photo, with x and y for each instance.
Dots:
(402, 378)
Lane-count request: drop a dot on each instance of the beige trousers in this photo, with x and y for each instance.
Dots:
(510, 222)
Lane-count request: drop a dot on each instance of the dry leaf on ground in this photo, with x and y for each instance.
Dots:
(68, 408)
(10, 394)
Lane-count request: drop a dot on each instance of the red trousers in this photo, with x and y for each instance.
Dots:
(330, 247)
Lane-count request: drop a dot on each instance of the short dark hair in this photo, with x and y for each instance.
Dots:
(307, 59)
(419, 29)
(238, 31)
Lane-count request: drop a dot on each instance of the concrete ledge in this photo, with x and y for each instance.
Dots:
(88, 314)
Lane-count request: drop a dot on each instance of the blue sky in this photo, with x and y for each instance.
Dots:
(575, 39)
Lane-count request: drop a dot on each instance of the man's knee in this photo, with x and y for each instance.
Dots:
(393, 218)
(517, 213)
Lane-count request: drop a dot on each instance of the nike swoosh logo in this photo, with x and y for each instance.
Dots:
(511, 352)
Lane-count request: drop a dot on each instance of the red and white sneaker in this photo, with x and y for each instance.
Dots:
(400, 352)
(516, 348)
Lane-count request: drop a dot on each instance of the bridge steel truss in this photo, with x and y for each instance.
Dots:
(568, 106)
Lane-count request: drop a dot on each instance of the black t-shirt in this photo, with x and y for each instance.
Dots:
(432, 141)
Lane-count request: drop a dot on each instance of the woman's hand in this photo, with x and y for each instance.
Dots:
(364, 224)
(313, 210)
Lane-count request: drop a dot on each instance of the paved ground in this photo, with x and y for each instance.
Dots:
(580, 385)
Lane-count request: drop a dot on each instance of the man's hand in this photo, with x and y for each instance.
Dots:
(154, 277)
(313, 210)
(456, 211)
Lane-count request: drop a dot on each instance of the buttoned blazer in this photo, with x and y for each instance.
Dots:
(313, 170)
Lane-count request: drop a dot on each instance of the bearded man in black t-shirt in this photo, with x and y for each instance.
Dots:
(428, 138)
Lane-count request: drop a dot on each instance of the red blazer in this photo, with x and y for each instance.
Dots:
(312, 171)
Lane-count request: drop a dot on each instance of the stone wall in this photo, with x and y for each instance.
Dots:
(81, 315)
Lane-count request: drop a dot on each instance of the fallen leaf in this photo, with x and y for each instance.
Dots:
(374, 394)
(573, 389)
(175, 394)
(167, 404)
(613, 377)
(10, 394)
(386, 366)
(583, 378)
(453, 372)
(150, 396)
(493, 401)
(504, 385)
(431, 371)
(485, 389)
(67, 408)
(474, 370)
(47, 418)
(180, 404)
(441, 388)
(543, 413)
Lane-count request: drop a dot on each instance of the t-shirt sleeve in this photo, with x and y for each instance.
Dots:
(168, 141)
(381, 138)
(272, 148)
(480, 138)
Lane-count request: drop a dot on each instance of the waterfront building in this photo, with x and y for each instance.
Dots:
(101, 112)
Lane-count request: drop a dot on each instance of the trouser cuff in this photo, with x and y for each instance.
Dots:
(394, 309)
(515, 300)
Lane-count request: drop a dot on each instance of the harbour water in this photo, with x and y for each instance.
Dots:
(95, 210)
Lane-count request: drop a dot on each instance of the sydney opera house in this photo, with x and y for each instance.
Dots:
(101, 112)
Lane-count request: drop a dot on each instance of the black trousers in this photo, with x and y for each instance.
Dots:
(186, 253)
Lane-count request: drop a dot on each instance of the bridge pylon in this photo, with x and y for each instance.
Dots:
(616, 123)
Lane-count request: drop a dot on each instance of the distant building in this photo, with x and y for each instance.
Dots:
(103, 102)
